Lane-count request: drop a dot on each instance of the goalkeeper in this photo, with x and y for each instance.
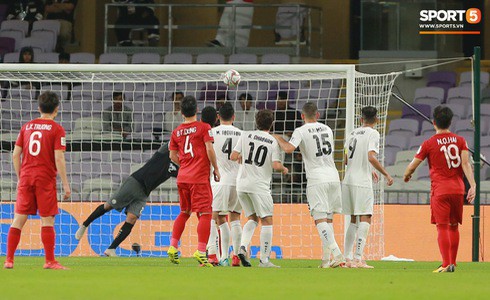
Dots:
(134, 191)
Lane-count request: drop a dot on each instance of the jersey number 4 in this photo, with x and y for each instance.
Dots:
(260, 155)
(226, 149)
(188, 146)
(451, 153)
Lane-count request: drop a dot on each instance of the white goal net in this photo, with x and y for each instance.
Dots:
(104, 147)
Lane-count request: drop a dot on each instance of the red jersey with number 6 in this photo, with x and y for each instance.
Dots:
(189, 139)
(39, 139)
(443, 153)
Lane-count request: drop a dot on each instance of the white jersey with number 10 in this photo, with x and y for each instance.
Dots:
(258, 149)
(360, 142)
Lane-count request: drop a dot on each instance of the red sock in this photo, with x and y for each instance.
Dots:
(48, 238)
(454, 240)
(444, 243)
(203, 231)
(13, 239)
(179, 226)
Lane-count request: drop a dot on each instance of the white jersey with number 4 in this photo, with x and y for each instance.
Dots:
(258, 149)
(359, 143)
(315, 141)
(225, 139)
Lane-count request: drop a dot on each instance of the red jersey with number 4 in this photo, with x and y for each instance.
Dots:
(39, 139)
(443, 153)
(189, 139)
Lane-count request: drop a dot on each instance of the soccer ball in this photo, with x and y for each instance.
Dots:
(231, 78)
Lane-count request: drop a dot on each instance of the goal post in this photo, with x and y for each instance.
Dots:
(99, 157)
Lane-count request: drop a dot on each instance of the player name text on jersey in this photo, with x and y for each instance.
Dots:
(446, 140)
(186, 131)
(39, 127)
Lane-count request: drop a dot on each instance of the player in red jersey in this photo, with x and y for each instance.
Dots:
(40, 148)
(448, 158)
(191, 147)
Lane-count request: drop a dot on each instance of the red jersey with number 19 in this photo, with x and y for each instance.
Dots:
(189, 139)
(443, 153)
(39, 139)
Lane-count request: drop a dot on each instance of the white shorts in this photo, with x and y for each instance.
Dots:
(324, 199)
(357, 200)
(225, 199)
(259, 204)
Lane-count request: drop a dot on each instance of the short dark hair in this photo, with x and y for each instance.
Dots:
(24, 50)
(309, 110)
(369, 114)
(64, 56)
(188, 106)
(226, 111)
(117, 94)
(209, 115)
(246, 97)
(283, 95)
(443, 116)
(177, 93)
(264, 119)
(48, 101)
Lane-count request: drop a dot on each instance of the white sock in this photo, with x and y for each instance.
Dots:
(248, 232)
(213, 241)
(326, 234)
(326, 251)
(224, 230)
(236, 235)
(350, 237)
(362, 233)
(265, 242)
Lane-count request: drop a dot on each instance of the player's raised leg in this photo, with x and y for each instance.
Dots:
(97, 213)
(123, 233)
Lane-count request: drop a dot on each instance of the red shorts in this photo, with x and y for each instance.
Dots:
(447, 209)
(35, 194)
(195, 197)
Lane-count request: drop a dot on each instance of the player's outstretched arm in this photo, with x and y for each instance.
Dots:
(174, 157)
(16, 160)
(410, 169)
(285, 146)
(377, 165)
(468, 172)
(212, 160)
(278, 166)
(59, 158)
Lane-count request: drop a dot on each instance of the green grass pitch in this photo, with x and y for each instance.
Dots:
(155, 278)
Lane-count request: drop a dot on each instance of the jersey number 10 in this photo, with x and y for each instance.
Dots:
(260, 155)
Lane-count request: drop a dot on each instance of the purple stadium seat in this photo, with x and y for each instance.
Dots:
(399, 142)
(47, 58)
(416, 141)
(210, 58)
(19, 25)
(469, 137)
(465, 79)
(7, 44)
(41, 42)
(3, 11)
(459, 111)
(390, 155)
(427, 129)
(275, 58)
(462, 126)
(178, 58)
(113, 58)
(442, 79)
(46, 35)
(433, 92)
(460, 95)
(408, 113)
(145, 58)
(242, 58)
(47, 25)
(18, 36)
(423, 173)
(406, 127)
(82, 58)
(212, 92)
